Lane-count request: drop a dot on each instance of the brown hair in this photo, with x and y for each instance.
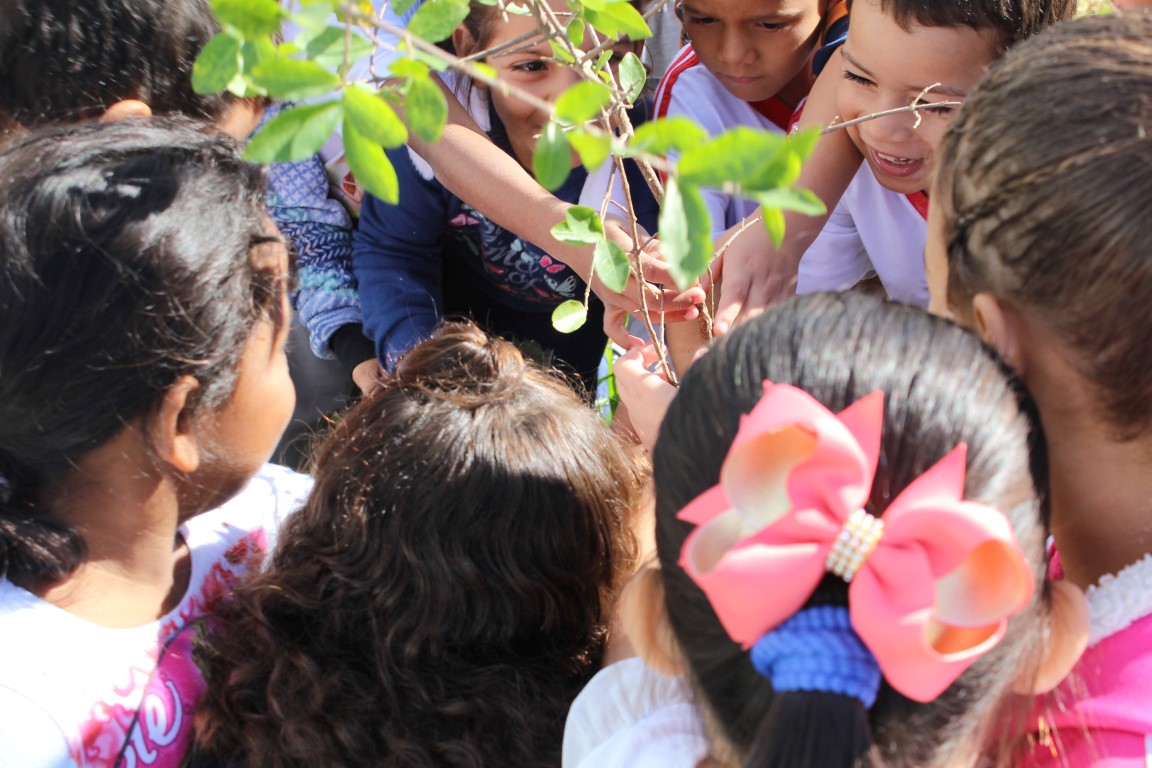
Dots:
(127, 260)
(444, 593)
(839, 348)
(1013, 20)
(1044, 185)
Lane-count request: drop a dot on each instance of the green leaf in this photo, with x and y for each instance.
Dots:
(436, 20)
(803, 142)
(592, 148)
(251, 18)
(425, 109)
(581, 226)
(781, 170)
(774, 223)
(791, 199)
(633, 76)
(738, 156)
(295, 133)
(575, 31)
(485, 70)
(552, 158)
(217, 64)
(583, 101)
(602, 61)
(369, 165)
(401, 7)
(256, 51)
(561, 53)
(291, 79)
(618, 19)
(569, 316)
(685, 233)
(611, 264)
(312, 19)
(434, 62)
(372, 117)
(408, 68)
(327, 48)
(661, 136)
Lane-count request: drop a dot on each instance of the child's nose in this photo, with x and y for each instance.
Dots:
(898, 127)
(734, 47)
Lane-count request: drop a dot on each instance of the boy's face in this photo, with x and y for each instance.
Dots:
(886, 67)
(757, 49)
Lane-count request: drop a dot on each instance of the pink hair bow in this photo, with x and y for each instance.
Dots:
(931, 583)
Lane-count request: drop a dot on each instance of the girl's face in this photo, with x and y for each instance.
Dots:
(530, 68)
(887, 67)
(242, 433)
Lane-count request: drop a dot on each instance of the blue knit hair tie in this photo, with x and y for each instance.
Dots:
(817, 650)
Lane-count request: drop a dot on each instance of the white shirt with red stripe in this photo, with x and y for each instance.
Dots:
(688, 89)
(872, 232)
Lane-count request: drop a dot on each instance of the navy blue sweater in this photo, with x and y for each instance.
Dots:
(401, 252)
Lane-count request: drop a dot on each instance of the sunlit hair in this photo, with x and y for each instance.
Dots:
(63, 61)
(1013, 20)
(445, 592)
(942, 387)
(1059, 227)
(126, 262)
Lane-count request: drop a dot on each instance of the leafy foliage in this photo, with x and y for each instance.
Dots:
(588, 122)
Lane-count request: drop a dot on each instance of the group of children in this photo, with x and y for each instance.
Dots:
(867, 535)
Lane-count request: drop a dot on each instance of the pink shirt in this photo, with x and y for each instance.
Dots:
(1101, 716)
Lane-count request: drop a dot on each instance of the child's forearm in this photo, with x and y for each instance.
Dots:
(757, 274)
(494, 183)
(505, 192)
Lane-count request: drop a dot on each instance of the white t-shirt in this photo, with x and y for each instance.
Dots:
(73, 693)
(873, 231)
(629, 716)
(688, 89)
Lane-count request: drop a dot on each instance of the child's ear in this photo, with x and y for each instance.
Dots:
(462, 42)
(173, 427)
(645, 622)
(999, 326)
(1067, 639)
(126, 108)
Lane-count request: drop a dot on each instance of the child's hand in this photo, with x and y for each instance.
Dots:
(368, 376)
(667, 304)
(645, 394)
(754, 276)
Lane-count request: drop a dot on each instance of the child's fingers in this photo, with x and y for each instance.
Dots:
(647, 395)
(616, 328)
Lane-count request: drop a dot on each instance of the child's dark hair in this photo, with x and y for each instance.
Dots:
(62, 61)
(124, 264)
(1013, 20)
(942, 387)
(1059, 228)
(444, 594)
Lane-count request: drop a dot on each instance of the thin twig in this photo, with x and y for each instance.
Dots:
(747, 222)
(914, 107)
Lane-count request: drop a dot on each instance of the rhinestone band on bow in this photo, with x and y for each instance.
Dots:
(857, 539)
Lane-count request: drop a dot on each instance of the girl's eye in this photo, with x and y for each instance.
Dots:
(934, 110)
(700, 20)
(852, 77)
(530, 66)
(772, 26)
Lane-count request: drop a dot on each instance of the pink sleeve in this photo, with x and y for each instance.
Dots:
(1103, 749)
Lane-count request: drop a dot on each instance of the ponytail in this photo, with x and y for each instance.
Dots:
(825, 680)
(33, 547)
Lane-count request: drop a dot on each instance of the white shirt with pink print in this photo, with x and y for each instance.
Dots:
(76, 694)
